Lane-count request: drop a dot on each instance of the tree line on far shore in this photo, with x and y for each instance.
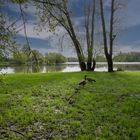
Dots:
(35, 58)
(53, 58)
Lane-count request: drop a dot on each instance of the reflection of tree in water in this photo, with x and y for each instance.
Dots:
(19, 68)
(55, 68)
(37, 68)
(124, 67)
(128, 67)
(27, 68)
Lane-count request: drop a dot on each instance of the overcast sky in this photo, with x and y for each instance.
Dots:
(127, 40)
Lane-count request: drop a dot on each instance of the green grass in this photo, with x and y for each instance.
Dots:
(38, 106)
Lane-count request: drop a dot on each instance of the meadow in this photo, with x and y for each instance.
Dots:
(49, 106)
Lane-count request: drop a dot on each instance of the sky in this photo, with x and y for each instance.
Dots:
(128, 38)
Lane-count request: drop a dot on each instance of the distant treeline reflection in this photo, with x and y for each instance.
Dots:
(37, 68)
(65, 68)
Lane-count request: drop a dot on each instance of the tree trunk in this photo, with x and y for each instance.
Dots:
(76, 43)
(94, 64)
(89, 64)
(79, 53)
(89, 61)
(106, 50)
(89, 26)
(82, 66)
(110, 64)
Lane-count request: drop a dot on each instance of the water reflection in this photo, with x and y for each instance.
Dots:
(66, 68)
(132, 67)
(122, 66)
(55, 68)
(26, 69)
(32, 69)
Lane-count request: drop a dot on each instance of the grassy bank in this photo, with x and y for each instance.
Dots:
(41, 106)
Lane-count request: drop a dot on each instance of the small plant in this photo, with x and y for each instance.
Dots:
(2, 81)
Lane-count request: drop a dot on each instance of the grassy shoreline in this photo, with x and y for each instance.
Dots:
(37, 106)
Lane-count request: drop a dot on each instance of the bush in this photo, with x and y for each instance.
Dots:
(54, 58)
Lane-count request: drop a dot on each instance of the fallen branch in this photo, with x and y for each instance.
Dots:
(14, 131)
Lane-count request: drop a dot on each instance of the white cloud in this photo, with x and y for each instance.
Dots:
(54, 40)
(131, 13)
(69, 52)
(44, 34)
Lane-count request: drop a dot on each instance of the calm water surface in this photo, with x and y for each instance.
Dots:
(69, 67)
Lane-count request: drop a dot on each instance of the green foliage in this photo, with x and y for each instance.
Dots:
(54, 58)
(2, 83)
(7, 32)
(38, 106)
(21, 55)
(36, 57)
(19, 58)
(127, 57)
(1, 54)
(100, 59)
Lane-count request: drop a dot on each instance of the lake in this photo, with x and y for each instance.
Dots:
(68, 67)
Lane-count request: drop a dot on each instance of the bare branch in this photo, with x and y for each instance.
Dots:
(25, 31)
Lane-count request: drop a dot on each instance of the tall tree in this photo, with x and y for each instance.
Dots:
(57, 13)
(89, 26)
(108, 41)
